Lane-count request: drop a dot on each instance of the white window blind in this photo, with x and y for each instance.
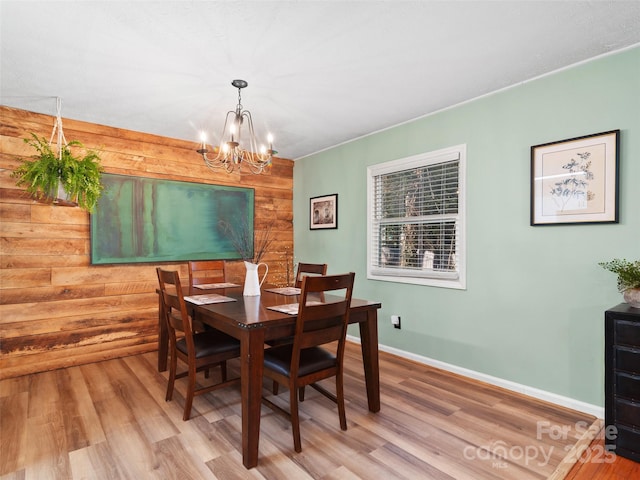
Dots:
(415, 219)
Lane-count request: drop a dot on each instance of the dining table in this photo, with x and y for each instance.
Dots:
(252, 320)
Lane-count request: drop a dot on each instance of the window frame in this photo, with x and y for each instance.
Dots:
(433, 278)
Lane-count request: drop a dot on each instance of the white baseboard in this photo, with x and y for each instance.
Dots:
(571, 403)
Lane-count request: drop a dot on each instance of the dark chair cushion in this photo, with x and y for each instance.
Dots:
(210, 342)
(311, 359)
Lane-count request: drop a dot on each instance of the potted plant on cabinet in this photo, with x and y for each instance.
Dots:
(628, 278)
(61, 177)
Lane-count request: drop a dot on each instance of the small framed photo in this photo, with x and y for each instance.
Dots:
(575, 181)
(323, 213)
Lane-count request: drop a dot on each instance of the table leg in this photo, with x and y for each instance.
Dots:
(252, 358)
(163, 337)
(369, 344)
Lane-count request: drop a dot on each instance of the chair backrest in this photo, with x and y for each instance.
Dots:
(175, 308)
(309, 268)
(206, 271)
(324, 313)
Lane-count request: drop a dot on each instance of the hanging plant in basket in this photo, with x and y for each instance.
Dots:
(60, 177)
(56, 175)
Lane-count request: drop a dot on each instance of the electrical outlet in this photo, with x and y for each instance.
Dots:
(395, 321)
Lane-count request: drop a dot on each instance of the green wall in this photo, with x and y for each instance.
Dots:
(532, 312)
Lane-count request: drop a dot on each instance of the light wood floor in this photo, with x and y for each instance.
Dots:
(109, 420)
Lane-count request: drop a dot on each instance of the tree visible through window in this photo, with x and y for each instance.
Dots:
(416, 219)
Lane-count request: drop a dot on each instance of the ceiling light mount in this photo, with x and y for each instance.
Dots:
(239, 83)
(230, 154)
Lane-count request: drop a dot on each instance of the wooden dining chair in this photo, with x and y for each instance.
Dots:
(200, 351)
(206, 271)
(304, 269)
(309, 268)
(306, 361)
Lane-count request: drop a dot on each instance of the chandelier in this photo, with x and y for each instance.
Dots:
(230, 154)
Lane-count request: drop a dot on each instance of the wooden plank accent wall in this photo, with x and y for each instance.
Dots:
(56, 309)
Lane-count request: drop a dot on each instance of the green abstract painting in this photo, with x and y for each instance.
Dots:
(146, 220)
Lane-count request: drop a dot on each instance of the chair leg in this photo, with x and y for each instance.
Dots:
(191, 387)
(340, 401)
(301, 394)
(275, 387)
(295, 419)
(172, 378)
(223, 370)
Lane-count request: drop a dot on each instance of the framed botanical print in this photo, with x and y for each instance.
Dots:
(575, 181)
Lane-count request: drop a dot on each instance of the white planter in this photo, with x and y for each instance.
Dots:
(61, 197)
(632, 297)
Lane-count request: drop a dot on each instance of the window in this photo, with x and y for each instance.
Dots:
(416, 219)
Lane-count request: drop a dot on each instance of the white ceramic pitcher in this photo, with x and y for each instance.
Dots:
(251, 283)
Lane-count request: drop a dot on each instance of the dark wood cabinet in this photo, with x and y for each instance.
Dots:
(622, 380)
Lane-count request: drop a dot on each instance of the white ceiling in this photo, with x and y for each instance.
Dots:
(320, 72)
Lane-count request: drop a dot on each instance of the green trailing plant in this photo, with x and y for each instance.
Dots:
(628, 272)
(80, 176)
